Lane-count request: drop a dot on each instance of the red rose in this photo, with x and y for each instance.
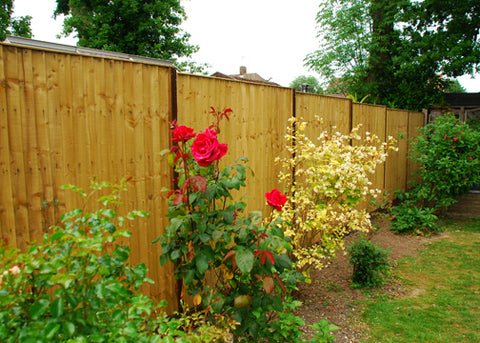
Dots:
(182, 134)
(206, 149)
(276, 199)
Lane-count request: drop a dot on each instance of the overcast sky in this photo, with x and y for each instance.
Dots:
(269, 37)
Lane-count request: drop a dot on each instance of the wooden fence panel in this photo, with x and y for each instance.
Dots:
(66, 118)
(256, 128)
(373, 120)
(396, 164)
(335, 113)
(7, 211)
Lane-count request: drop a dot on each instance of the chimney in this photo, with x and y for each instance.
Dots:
(243, 70)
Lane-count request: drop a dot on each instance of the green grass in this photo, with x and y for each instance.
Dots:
(443, 284)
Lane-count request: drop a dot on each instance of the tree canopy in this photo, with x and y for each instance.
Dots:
(399, 53)
(312, 82)
(18, 26)
(140, 27)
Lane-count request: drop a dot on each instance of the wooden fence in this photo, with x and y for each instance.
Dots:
(65, 118)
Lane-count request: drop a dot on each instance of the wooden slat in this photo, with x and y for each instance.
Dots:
(372, 119)
(43, 139)
(396, 164)
(54, 81)
(33, 179)
(14, 81)
(7, 213)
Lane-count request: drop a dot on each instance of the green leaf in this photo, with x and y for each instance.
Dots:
(244, 258)
(38, 308)
(205, 238)
(68, 329)
(284, 261)
(201, 262)
(175, 255)
(50, 330)
(189, 277)
(56, 307)
(163, 259)
(108, 213)
(100, 291)
(228, 216)
(217, 234)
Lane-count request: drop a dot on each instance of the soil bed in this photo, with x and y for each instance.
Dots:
(329, 295)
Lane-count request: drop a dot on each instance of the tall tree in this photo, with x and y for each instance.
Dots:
(140, 27)
(406, 47)
(18, 26)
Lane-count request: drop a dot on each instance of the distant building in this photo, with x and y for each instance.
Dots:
(244, 76)
(464, 106)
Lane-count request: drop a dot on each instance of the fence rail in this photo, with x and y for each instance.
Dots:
(65, 118)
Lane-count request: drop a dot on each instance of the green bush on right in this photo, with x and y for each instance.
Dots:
(447, 154)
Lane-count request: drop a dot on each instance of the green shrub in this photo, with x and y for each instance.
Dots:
(448, 154)
(370, 264)
(78, 286)
(408, 218)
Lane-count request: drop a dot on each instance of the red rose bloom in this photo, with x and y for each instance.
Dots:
(276, 199)
(182, 134)
(206, 149)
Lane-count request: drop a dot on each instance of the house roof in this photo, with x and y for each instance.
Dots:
(249, 77)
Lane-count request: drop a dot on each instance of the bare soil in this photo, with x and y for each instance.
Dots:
(330, 296)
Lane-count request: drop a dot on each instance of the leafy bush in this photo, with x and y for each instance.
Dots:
(78, 286)
(331, 178)
(232, 264)
(448, 155)
(370, 264)
(409, 218)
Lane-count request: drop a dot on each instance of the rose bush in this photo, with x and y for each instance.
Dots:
(232, 264)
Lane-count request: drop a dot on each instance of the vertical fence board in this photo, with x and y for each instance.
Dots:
(396, 164)
(55, 130)
(31, 151)
(373, 120)
(14, 80)
(43, 140)
(7, 212)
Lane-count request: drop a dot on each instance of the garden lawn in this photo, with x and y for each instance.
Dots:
(443, 298)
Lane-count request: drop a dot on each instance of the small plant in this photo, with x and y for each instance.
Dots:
(323, 329)
(408, 218)
(370, 264)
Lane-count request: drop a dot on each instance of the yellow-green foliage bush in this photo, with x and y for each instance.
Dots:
(330, 179)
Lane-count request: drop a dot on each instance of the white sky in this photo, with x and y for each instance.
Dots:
(270, 37)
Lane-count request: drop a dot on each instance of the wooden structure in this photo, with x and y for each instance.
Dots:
(66, 117)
